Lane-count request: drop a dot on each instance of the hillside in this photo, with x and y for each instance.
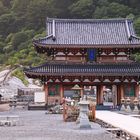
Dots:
(10, 84)
(22, 20)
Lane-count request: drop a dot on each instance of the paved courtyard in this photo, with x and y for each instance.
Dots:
(36, 125)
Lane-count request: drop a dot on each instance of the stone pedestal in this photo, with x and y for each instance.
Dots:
(83, 117)
(136, 110)
(123, 108)
(128, 109)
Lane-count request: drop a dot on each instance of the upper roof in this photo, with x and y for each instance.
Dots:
(91, 32)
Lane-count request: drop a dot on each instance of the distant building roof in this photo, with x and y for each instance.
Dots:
(90, 32)
(97, 69)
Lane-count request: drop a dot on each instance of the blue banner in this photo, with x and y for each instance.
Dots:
(91, 54)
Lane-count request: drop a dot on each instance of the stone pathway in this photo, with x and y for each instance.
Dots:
(124, 122)
(36, 125)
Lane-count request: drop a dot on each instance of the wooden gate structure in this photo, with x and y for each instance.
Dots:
(88, 52)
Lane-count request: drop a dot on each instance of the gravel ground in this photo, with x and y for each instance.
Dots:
(36, 125)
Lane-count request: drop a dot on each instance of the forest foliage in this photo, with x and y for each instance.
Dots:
(22, 20)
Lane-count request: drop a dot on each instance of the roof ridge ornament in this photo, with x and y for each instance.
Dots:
(128, 30)
(135, 36)
(53, 30)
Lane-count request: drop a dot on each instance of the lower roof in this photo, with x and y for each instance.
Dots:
(94, 69)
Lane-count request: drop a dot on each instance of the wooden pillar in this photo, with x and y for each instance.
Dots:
(137, 90)
(61, 92)
(82, 91)
(99, 94)
(120, 93)
(46, 93)
(115, 95)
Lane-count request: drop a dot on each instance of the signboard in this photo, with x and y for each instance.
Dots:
(91, 54)
(39, 97)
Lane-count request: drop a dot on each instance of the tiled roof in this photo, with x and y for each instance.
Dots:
(131, 69)
(89, 32)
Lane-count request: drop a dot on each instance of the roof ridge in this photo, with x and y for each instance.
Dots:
(89, 20)
(88, 64)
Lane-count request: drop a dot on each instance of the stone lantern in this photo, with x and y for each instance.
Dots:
(122, 104)
(76, 95)
(83, 115)
(136, 106)
(128, 109)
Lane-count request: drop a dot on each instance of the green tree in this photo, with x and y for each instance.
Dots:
(37, 13)
(18, 38)
(6, 3)
(2, 8)
(101, 12)
(82, 9)
(19, 7)
(59, 8)
(137, 26)
(7, 24)
(101, 3)
(1, 47)
(113, 10)
(118, 10)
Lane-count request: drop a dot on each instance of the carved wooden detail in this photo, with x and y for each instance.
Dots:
(66, 51)
(100, 51)
(127, 51)
(107, 51)
(116, 51)
(74, 51)
(111, 78)
(83, 51)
